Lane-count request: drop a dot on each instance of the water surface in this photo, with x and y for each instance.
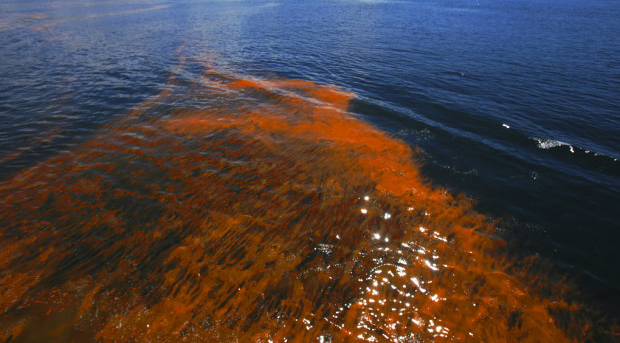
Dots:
(294, 171)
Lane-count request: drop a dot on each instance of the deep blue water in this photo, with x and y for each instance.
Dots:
(515, 103)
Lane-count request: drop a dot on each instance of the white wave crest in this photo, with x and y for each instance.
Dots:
(550, 143)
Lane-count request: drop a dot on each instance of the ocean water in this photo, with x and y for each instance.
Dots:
(309, 170)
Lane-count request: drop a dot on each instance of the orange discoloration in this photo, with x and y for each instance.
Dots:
(267, 213)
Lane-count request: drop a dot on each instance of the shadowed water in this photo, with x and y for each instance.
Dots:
(236, 208)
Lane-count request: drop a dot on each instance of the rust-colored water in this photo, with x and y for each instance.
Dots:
(252, 210)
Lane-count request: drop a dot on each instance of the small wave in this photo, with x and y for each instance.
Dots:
(579, 161)
(550, 143)
(547, 144)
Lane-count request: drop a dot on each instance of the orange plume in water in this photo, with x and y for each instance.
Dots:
(252, 210)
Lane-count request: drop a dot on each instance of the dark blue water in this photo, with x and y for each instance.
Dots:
(515, 104)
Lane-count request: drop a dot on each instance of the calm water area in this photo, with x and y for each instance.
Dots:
(322, 170)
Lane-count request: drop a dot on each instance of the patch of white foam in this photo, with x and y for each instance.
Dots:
(548, 143)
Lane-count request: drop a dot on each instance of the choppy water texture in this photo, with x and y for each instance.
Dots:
(260, 210)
